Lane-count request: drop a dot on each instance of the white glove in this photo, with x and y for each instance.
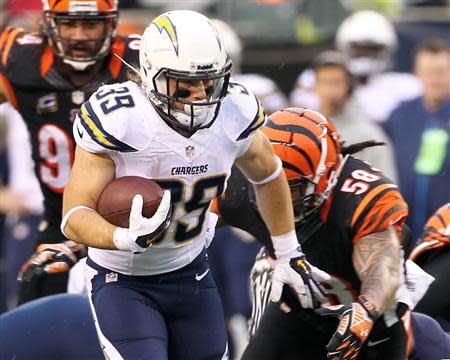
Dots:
(302, 277)
(142, 231)
(417, 282)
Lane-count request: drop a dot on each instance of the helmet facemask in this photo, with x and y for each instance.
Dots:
(310, 192)
(63, 46)
(195, 115)
(365, 59)
(304, 200)
(368, 41)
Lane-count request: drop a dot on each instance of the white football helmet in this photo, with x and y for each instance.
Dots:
(371, 32)
(184, 46)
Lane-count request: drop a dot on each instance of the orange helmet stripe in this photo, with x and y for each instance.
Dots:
(68, 5)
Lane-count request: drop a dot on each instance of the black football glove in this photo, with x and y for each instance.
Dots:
(52, 259)
(355, 324)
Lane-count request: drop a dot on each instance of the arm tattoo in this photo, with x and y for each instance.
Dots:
(377, 262)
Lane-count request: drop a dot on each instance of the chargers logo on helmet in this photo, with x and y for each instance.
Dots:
(163, 23)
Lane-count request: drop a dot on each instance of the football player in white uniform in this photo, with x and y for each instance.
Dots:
(267, 90)
(367, 39)
(177, 125)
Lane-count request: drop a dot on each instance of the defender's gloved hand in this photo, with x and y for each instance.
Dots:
(355, 324)
(52, 259)
(302, 277)
(142, 231)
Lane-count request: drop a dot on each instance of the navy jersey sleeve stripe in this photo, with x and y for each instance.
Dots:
(258, 121)
(93, 126)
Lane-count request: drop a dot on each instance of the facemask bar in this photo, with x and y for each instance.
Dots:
(310, 199)
(220, 87)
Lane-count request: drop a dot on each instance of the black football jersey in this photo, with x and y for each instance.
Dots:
(363, 202)
(48, 103)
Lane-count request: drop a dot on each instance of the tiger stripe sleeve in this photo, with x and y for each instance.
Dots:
(381, 207)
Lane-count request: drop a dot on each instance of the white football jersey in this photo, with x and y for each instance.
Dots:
(120, 121)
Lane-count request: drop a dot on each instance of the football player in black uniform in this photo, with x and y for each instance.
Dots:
(47, 76)
(349, 219)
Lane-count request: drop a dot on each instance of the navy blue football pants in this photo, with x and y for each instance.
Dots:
(177, 315)
(431, 342)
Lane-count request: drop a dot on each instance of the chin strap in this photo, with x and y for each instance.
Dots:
(79, 65)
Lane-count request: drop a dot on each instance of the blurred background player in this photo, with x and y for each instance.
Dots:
(334, 88)
(367, 40)
(47, 76)
(265, 89)
(420, 130)
(21, 202)
(349, 219)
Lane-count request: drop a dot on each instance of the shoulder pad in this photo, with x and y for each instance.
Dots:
(9, 37)
(243, 111)
(20, 57)
(111, 121)
(371, 200)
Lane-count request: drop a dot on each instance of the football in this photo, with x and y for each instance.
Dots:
(114, 204)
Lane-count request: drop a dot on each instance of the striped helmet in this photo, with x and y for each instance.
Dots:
(438, 225)
(308, 145)
(435, 237)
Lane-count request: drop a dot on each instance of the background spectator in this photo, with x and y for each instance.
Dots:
(334, 90)
(368, 41)
(419, 130)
